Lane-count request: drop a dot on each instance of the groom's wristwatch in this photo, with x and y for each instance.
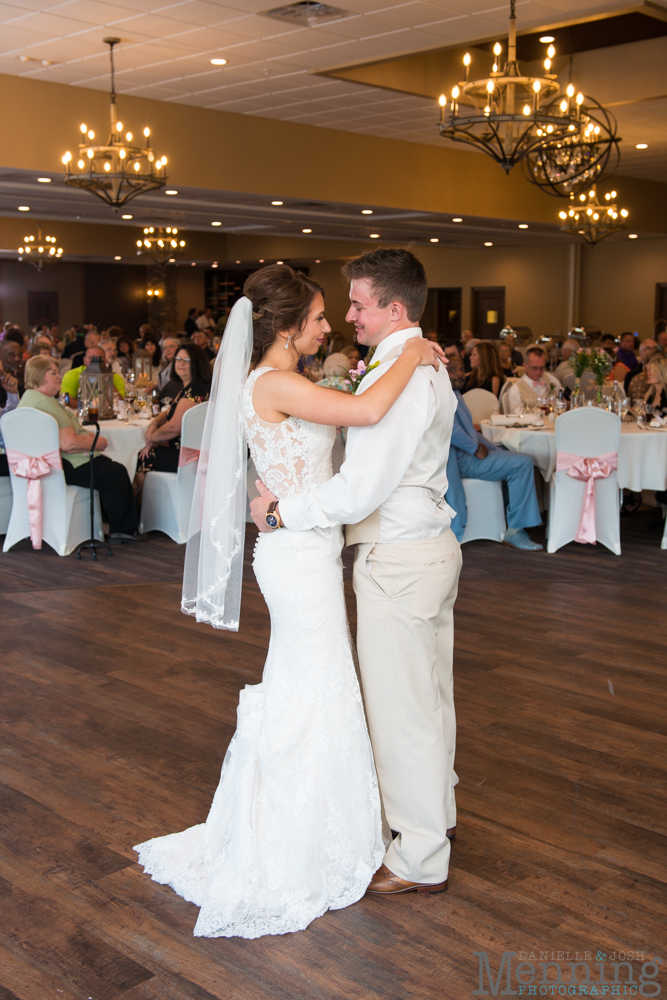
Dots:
(272, 516)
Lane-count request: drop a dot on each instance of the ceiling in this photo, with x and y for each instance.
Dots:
(166, 50)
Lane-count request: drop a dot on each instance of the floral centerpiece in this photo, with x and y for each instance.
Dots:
(600, 364)
(580, 362)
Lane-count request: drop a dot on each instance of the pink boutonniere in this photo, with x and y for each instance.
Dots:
(358, 374)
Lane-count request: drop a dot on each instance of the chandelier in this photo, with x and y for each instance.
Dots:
(591, 220)
(117, 171)
(510, 116)
(566, 165)
(161, 245)
(39, 251)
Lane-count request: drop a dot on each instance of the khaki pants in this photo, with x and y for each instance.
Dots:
(405, 636)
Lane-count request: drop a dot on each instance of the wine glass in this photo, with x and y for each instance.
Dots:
(560, 406)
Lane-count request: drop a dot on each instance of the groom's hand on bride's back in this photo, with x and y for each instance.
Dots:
(427, 351)
(260, 505)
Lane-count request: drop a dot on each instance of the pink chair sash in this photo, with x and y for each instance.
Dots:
(186, 456)
(587, 470)
(33, 468)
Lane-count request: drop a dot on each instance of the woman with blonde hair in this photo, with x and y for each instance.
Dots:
(487, 372)
(656, 376)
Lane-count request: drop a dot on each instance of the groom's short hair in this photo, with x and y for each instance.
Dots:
(395, 275)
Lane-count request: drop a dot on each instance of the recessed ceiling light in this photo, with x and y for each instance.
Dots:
(375, 236)
(276, 202)
(24, 208)
(632, 236)
(434, 239)
(117, 258)
(214, 264)
(193, 264)
(237, 262)
(261, 260)
(641, 145)
(171, 191)
(488, 244)
(126, 216)
(457, 220)
(172, 260)
(318, 262)
(523, 225)
(367, 211)
(306, 230)
(218, 62)
(43, 180)
(546, 39)
(280, 262)
(216, 223)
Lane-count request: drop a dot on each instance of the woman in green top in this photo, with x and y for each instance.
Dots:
(42, 381)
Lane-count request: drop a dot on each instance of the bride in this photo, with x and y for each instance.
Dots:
(295, 826)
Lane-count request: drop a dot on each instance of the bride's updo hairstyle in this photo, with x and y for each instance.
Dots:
(281, 300)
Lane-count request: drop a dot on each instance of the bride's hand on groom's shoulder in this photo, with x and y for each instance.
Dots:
(260, 505)
(426, 351)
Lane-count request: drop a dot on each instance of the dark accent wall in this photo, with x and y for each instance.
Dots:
(115, 295)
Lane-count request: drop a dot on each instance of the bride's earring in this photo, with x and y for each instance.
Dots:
(287, 342)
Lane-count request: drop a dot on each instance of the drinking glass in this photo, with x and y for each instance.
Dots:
(560, 406)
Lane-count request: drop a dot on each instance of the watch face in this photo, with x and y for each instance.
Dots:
(272, 520)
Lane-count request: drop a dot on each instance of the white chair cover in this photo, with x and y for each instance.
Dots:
(486, 511)
(66, 509)
(504, 389)
(587, 432)
(481, 404)
(167, 496)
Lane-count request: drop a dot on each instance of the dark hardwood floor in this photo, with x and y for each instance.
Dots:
(116, 711)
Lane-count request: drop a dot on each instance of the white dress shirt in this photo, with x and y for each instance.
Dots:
(397, 466)
(514, 398)
(205, 322)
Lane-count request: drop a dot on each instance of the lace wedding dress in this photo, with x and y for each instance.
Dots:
(295, 825)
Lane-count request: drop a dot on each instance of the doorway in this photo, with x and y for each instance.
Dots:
(660, 308)
(488, 312)
(443, 313)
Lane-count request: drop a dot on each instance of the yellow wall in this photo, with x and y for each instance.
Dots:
(618, 285)
(19, 278)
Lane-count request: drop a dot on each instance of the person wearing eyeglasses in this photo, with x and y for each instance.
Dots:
(191, 372)
(535, 382)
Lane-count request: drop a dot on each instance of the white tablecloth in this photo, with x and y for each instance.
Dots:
(125, 442)
(642, 454)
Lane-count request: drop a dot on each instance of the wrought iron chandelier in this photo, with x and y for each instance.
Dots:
(565, 166)
(40, 250)
(161, 245)
(118, 171)
(511, 117)
(591, 220)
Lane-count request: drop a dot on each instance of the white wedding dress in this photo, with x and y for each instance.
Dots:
(295, 826)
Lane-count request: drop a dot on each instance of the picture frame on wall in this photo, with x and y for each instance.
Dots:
(43, 308)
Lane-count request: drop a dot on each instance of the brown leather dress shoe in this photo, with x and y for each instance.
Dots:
(385, 883)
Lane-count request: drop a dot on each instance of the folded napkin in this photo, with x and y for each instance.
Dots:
(516, 420)
(658, 422)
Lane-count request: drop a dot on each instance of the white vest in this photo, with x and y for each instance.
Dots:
(426, 476)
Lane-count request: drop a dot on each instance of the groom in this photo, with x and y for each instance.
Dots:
(389, 495)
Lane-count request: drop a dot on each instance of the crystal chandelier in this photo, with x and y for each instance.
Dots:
(160, 244)
(117, 171)
(591, 220)
(510, 116)
(564, 166)
(41, 250)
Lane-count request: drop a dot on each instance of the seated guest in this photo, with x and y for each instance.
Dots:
(656, 376)
(91, 339)
(505, 357)
(485, 372)
(335, 372)
(635, 383)
(452, 349)
(77, 345)
(201, 339)
(517, 356)
(190, 324)
(42, 379)
(205, 321)
(608, 344)
(564, 369)
(9, 400)
(467, 349)
(432, 335)
(535, 382)
(72, 378)
(662, 340)
(626, 352)
(111, 358)
(163, 435)
(169, 348)
(125, 350)
(471, 457)
(11, 359)
(40, 344)
(353, 355)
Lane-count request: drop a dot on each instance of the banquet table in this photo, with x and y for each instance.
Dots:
(642, 453)
(125, 441)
